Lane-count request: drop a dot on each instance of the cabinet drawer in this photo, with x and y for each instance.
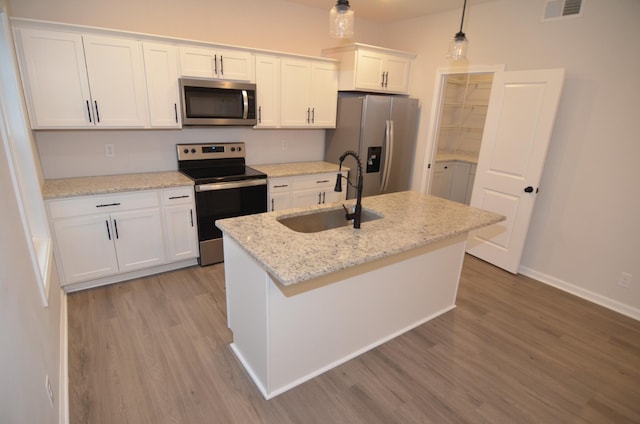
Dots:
(320, 181)
(279, 185)
(87, 205)
(178, 195)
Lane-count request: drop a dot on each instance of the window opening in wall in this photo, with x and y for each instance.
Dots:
(18, 146)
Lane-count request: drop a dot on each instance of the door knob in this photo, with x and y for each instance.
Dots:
(528, 189)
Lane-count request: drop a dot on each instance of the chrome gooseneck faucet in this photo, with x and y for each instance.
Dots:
(357, 213)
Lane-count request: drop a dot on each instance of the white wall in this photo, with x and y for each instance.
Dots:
(29, 331)
(585, 228)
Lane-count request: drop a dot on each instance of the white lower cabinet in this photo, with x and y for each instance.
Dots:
(304, 190)
(453, 180)
(180, 224)
(111, 235)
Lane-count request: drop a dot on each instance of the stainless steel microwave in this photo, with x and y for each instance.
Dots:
(213, 102)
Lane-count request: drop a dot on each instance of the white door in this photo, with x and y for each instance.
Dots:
(519, 121)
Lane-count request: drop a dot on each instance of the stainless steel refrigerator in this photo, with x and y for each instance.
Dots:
(381, 130)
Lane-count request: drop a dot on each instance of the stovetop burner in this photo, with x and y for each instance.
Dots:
(212, 163)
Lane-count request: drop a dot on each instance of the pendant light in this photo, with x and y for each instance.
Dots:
(459, 44)
(341, 20)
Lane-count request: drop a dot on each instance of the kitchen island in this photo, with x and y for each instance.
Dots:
(299, 304)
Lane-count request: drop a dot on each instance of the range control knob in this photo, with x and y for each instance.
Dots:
(239, 148)
(193, 150)
(186, 150)
(233, 149)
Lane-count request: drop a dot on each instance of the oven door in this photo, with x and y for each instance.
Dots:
(225, 200)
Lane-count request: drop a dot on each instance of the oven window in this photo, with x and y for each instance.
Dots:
(219, 204)
(213, 102)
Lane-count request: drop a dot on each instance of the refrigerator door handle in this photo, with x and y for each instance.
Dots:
(388, 155)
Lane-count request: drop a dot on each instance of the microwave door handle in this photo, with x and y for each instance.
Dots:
(245, 104)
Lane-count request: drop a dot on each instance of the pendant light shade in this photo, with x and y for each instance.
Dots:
(341, 20)
(459, 44)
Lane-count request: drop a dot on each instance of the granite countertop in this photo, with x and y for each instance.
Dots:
(297, 168)
(411, 220)
(84, 186)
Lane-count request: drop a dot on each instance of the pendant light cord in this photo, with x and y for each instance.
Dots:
(464, 8)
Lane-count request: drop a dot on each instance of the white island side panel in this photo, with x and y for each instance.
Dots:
(310, 332)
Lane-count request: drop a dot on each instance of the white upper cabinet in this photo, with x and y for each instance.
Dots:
(309, 93)
(80, 81)
(161, 70)
(116, 77)
(372, 69)
(268, 91)
(55, 80)
(225, 64)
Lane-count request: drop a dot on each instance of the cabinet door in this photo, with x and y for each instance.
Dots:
(85, 248)
(459, 181)
(138, 238)
(210, 63)
(268, 91)
(181, 232)
(116, 76)
(161, 70)
(279, 201)
(235, 65)
(397, 71)
(295, 97)
(279, 194)
(324, 95)
(198, 62)
(369, 70)
(442, 177)
(301, 198)
(55, 79)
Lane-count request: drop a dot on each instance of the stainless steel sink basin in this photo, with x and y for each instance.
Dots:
(323, 220)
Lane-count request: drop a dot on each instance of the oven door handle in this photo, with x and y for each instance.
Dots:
(230, 185)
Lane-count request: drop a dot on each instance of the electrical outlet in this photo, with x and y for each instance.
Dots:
(624, 280)
(109, 150)
(49, 389)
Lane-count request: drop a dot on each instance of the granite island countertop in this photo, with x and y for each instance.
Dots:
(297, 168)
(410, 220)
(85, 186)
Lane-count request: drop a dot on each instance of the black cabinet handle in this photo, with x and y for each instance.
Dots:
(89, 112)
(528, 189)
(115, 227)
(104, 205)
(191, 213)
(175, 109)
(108, 230)
(215, 64)
(95, 102)
(221, 65)
(179, 197)
(272, 205)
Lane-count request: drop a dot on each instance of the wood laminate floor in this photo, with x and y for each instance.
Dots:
(156, 350)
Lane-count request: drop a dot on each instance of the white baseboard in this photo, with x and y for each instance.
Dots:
(63, 390)
(596, 298)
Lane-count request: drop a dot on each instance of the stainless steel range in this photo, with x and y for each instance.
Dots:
(225, 187)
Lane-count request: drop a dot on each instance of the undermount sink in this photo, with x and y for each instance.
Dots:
(323, 220)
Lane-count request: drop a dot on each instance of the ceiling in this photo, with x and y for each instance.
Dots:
(392, 10)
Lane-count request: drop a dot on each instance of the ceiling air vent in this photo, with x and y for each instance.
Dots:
(557, 9)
